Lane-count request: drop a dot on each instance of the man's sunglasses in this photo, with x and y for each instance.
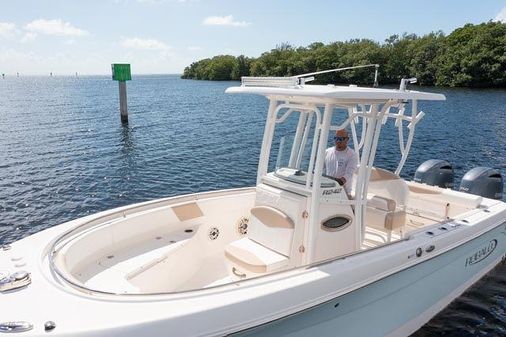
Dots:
(340, 139)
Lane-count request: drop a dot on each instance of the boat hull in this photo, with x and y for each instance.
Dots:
(380, 291)
(401, 303)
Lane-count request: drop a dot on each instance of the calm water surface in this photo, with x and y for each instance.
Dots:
(64, 154)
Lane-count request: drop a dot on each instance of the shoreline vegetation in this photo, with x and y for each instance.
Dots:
(470, 56)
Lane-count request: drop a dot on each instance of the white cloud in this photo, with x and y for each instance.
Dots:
(68, 61)
(18, 60)
(54, 27)
(224, 21)
(7, 28)
(501, 16)
(28, 37)
(146, 44)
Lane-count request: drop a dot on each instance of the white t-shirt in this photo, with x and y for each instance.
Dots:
(341, 164)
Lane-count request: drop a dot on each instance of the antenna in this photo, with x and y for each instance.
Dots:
(304, 78)
(376, 75)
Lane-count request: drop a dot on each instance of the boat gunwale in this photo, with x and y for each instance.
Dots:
(190, 197)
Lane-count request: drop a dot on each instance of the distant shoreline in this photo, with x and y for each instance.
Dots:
(471, 56)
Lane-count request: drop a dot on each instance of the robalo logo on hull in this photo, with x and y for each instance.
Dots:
(482, 254)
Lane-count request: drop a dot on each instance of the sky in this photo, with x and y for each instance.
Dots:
(164, 36)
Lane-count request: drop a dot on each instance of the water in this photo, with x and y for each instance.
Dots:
(64, 154)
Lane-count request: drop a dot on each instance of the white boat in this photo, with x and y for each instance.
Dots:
(294, 255)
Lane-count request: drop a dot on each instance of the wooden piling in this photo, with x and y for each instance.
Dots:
(123, 102)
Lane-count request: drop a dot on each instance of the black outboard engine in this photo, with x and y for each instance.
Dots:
(435, 172)
(483, 181)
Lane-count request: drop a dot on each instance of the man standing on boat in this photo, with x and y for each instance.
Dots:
(341, 161)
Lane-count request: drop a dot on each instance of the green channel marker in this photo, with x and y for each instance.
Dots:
(121, 73)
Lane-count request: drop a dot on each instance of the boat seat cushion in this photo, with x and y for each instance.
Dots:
(387, 185)
(383, 213)
(382, 219)
(271, 228)
(379, 202)
(253, 257)
(272, 217)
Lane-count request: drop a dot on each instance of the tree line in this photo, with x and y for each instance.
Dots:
(471, 56)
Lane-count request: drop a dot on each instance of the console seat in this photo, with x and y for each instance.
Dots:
(266, 248)
(383, 213)
(251, 257)
(386, 201)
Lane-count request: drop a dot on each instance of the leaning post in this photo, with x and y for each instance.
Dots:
(121, 73)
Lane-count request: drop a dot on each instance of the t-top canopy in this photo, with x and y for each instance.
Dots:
(332, 92)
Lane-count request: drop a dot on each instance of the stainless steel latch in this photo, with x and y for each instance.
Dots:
(16, 280)
(19, 326)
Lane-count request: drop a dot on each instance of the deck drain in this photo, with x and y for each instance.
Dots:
(188, 230)
(214, 233)
(242, 225)
(110, 256)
